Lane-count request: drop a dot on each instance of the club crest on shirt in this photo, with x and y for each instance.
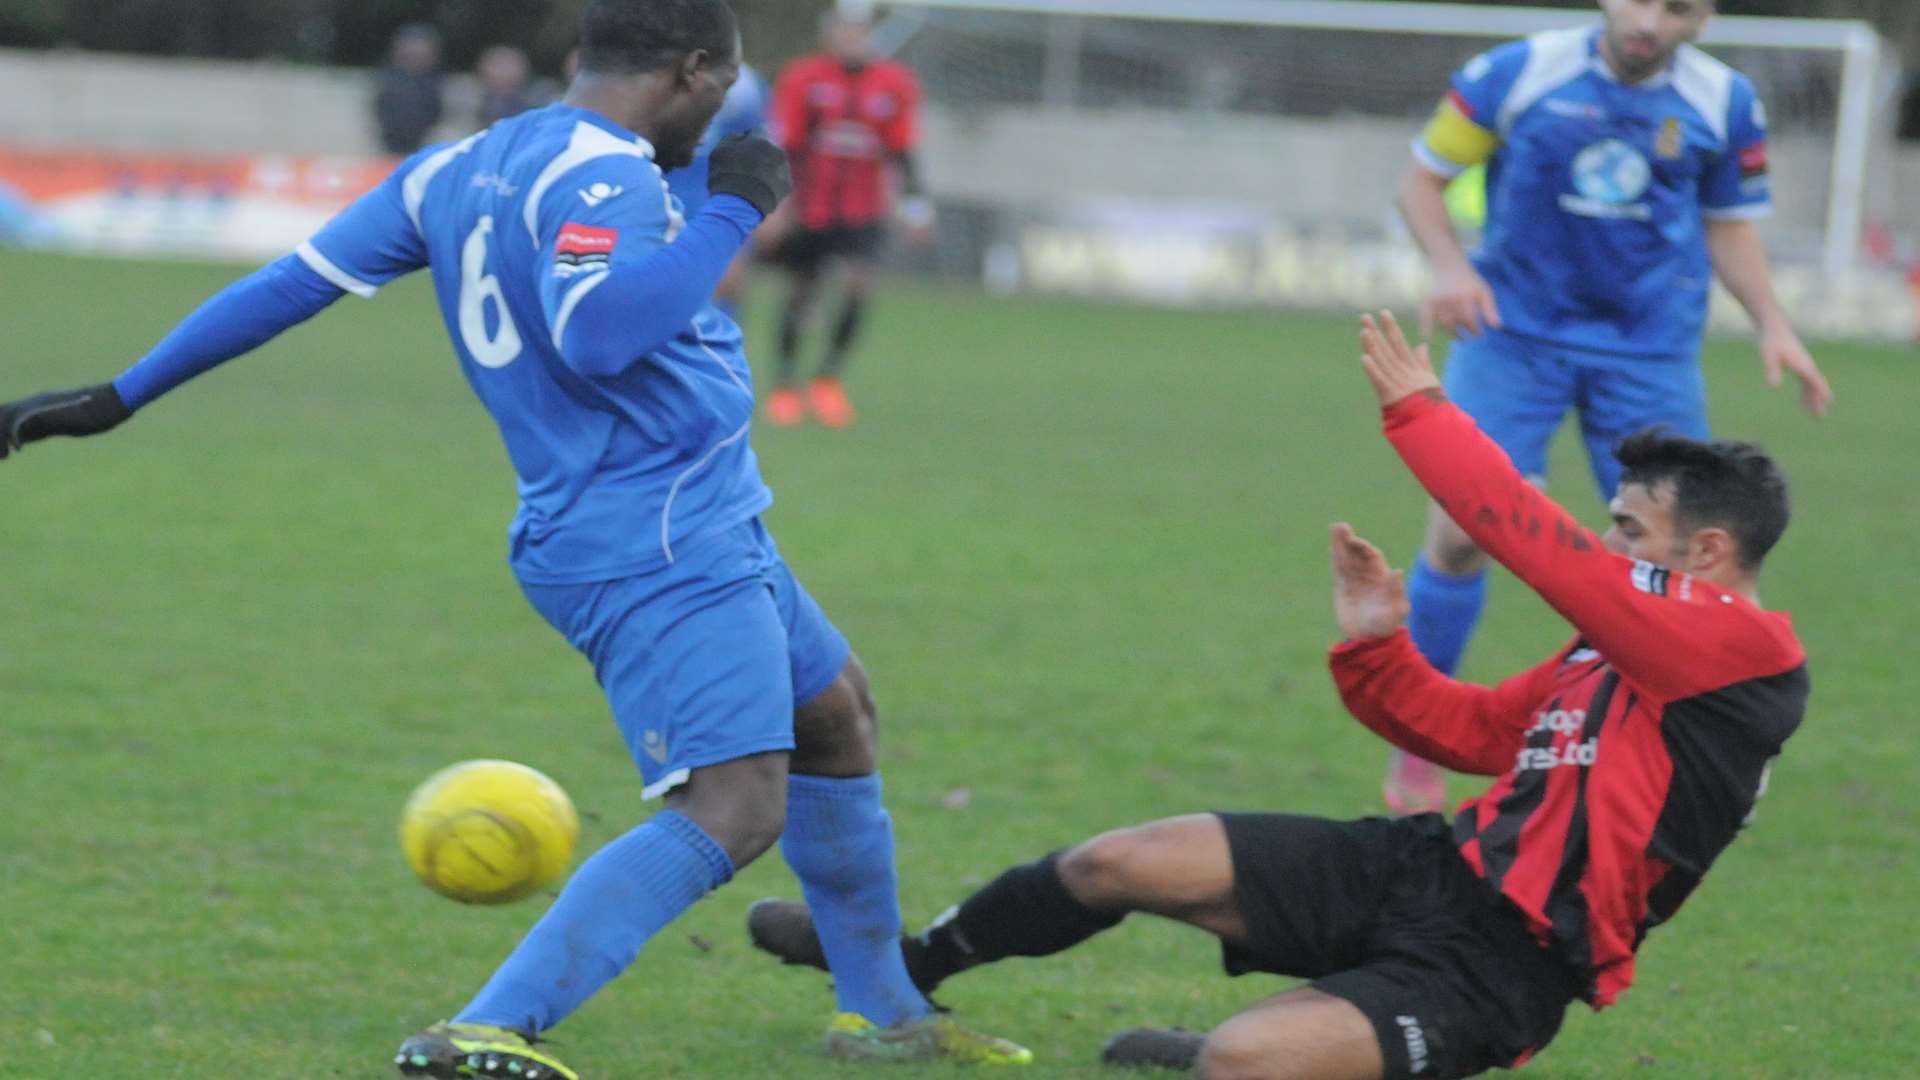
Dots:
(1671, 142)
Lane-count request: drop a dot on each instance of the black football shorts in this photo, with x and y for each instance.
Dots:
(1384, 913)
(808, 250)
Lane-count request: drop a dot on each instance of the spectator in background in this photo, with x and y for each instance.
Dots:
(408, 103)
(505, 84)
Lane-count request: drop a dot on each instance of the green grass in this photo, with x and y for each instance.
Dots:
(1081, 549)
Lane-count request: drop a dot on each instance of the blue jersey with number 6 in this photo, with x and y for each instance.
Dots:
(519, 224)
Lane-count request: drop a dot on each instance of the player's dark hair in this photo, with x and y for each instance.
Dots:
(629, 37)
(1729, 485)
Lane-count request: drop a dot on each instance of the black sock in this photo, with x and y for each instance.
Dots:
(844, 333)
(791, 321)
(1026, 911)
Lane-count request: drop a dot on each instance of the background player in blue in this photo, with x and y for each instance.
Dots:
(1625, 168)
(577, 298)
(743, 112)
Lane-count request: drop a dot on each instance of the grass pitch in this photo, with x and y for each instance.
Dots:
(1081, 549)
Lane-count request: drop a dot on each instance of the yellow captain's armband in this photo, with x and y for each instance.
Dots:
(1453, 138)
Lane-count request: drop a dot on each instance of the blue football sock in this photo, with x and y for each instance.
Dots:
(1445, 609)
(618, 899)
(839, 842)
(728, 307)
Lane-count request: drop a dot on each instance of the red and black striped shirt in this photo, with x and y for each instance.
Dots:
(1628, 760)
(843, 128)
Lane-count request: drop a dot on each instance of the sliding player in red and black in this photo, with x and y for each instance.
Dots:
(1626, 762)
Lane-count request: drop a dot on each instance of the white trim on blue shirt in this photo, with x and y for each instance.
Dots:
(325, 267)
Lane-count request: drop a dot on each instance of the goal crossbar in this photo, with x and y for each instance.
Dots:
(1857, 41)
(1461, 20)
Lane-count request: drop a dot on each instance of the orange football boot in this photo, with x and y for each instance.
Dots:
(785, 407)
(829, 401)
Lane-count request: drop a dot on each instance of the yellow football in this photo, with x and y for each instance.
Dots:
(488, 832)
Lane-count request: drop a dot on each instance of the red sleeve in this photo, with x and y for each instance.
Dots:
(901, 132)
(1671, 636)
(1392, 689)
(790, 106)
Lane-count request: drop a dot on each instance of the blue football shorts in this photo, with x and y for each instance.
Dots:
(1518, 390)
(703, 660)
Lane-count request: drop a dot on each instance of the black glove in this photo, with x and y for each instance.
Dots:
(89, 410)
(752, 167)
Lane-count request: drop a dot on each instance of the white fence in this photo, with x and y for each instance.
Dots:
(1310, 198)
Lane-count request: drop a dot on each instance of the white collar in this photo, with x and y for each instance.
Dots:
(1598, 63)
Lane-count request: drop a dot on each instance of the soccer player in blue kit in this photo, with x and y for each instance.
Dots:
(743, 112)
(1625, 168)
(577, 297)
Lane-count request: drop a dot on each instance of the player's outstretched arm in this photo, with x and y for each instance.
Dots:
(240, 318)
(1388, 686)
(1740, 259)
(1662, 638)
(372, 242)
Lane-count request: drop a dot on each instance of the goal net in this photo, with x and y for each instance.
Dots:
(1247, 150)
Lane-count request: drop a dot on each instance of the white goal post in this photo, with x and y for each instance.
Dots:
(1854, 123)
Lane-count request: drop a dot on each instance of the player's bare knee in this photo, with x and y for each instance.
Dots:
(806, 288)
(1235, 1051)
(1450, 551)
(837, 733)
(1106, 872)
(859, 280)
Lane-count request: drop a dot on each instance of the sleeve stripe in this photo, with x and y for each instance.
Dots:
(572, 301)
(1747, 212)
(323, 266)
(413, 191)
(1433, 162)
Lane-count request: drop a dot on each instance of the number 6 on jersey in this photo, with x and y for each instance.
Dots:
(476, 288)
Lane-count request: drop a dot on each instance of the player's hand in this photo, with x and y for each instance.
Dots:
(1461, 303)
(753, 167)
(1396, 369)
(89, 410)
(919, 222)
(1781, 352)
(1369, 597)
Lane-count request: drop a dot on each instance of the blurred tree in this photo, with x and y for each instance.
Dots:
(357, 31)
(31, 22)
